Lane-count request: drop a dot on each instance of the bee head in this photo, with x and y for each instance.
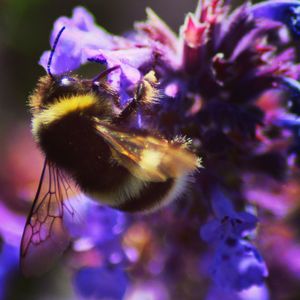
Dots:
(66, 81)
(59, 86)
(64, 85)
(52, 86)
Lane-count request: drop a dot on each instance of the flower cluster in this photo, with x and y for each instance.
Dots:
(237, 264)
(213, 77)
(229, 82)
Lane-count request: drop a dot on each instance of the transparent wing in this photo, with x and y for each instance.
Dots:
(45, 238)
(146, 156)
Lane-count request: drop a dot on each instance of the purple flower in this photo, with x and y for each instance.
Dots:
(81, 35)
(9, 262)
(101, 230)
(152, 290)
(103, 277)
(213, 77)
(129, 61)
(228, 222)
(292, 87)
(101, 283)
(11, 226)
(255, 292)
(286, 12)
(237, 264)
(289, 120)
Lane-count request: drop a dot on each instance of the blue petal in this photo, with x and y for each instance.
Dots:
(100, 283)
(238, 266)
(218, 293)
(9, 260)
(292, 86)
(221, 205)
(211, 231)
(245, 222)
(81, 34)
(104, 224)
(62, 63)
(286, 12)
(129, 61)
(254, 293)
(260, 292)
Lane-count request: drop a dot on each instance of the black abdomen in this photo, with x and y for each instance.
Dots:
(74, 145)
(151, 197)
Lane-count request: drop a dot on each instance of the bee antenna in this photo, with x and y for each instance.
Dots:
(53, 50)
(106, 72)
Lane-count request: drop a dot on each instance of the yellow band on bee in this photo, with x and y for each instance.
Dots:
(61, 108)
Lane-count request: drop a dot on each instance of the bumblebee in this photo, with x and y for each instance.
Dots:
(88, 138)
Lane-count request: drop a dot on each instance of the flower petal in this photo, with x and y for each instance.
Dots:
(81, 33)
(221, 205)
(211, 231)
(287, 12)
(101, 283)
(238, 267)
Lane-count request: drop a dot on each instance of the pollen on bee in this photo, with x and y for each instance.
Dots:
(150, 159)
(150, 76)
(148, 93)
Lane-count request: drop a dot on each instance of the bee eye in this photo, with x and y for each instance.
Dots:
(95, 86)
(66, 81)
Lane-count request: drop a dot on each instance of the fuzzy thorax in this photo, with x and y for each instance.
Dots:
(63, 107)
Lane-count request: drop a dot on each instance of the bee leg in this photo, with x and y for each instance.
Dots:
(139, 96)
(145, 95)
(128, 110)
(100, 84)
(100, 81)
(133, 104)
